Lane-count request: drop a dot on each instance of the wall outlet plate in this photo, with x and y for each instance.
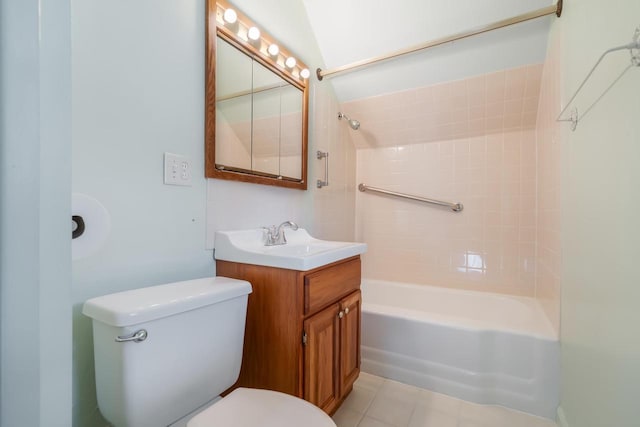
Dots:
(177, 169)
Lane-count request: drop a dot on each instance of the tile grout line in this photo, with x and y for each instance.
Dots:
(375, 394)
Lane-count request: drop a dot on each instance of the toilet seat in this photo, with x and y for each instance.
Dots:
(246, 407)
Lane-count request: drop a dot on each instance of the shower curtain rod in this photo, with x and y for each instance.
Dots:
(549, 10)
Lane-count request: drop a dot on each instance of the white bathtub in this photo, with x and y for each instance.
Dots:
(481, 347)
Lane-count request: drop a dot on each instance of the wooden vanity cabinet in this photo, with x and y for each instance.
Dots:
(321, 358)
(332, 353)
(350, 342)
(302, 335)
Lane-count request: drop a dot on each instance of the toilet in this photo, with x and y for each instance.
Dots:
(163, 354)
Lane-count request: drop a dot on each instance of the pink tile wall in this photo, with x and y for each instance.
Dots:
(471, 141)
(489, 246)
(549, 137)
(505, 101)
(334, 205)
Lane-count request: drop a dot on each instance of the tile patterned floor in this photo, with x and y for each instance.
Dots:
(378, 402)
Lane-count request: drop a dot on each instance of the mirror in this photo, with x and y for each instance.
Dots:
(257, 107)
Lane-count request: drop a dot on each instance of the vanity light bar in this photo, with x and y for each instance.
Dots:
(229, 16)
(253, 33)
(273, 49)
(235, 22)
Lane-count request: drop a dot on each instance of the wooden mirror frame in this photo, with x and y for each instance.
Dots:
(259, 54)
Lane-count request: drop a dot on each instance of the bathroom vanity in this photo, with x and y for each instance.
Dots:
(303, 326)
(303, 330)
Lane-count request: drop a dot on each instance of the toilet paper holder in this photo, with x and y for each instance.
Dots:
(77, 226)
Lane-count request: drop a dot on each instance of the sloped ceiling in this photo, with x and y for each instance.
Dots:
(353, 30)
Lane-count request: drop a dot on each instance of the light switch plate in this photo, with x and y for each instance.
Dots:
(177, 169)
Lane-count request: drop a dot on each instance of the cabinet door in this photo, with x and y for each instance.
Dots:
(349, 341)
(321, 358)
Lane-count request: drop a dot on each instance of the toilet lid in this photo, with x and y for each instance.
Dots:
(247, 407)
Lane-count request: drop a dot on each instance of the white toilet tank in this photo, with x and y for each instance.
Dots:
(192, 350)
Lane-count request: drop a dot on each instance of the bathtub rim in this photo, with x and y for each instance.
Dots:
(548, 331)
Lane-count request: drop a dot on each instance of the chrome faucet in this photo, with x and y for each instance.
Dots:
(275, 236)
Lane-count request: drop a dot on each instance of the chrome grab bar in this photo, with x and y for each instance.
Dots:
(137, 336)
(325, 156)
(456, 207)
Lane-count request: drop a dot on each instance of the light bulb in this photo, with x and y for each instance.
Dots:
(254, 33)
(273, 49)
(230, 16)
(290, 62)
(305, 73)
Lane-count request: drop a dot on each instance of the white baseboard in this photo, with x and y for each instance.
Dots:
(561, 419)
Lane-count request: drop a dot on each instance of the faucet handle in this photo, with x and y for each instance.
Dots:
(271, 234)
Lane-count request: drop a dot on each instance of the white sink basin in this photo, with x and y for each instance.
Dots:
(302, 252)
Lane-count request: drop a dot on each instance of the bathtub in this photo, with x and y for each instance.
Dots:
(481, 347)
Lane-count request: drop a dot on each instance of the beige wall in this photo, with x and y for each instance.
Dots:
(599, 204)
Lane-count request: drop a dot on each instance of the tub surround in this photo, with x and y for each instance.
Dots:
(490, 246)
(489, 143)
(495, 103)
(471, 141)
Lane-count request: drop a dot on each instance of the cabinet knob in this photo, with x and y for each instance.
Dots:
(346, 310)
(341, 314)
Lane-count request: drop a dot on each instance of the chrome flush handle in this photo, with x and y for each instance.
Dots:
(137, 336)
